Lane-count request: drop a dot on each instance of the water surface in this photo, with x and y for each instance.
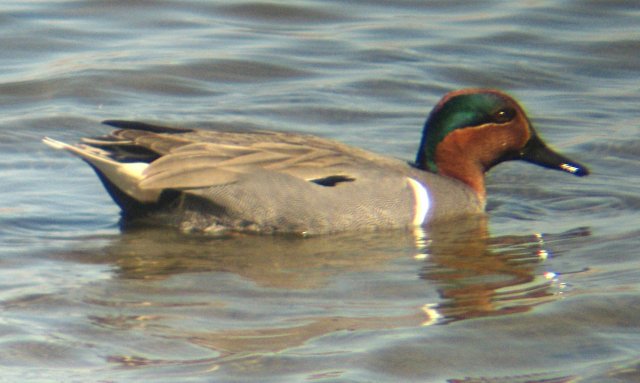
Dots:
(545, 289)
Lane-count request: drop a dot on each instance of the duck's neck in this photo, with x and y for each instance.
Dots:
(469, 173)
(453, 160)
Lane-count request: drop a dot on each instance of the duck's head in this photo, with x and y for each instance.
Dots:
(471, 130)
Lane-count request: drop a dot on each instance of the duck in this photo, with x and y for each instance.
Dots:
(272, 182)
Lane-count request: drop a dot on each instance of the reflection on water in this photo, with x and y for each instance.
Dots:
(265, 294)
(479, 276)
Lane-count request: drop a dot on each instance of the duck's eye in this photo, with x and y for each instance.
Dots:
(504, 115)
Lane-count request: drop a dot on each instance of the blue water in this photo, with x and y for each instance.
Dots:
(546, 290)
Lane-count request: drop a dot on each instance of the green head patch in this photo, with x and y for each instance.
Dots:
(458, 112)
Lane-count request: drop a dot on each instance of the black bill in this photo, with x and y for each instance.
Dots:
(537, 152)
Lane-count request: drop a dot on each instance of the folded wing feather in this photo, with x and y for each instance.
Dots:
(187, 159)
(203, 165)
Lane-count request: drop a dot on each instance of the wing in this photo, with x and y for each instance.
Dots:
(187, 158)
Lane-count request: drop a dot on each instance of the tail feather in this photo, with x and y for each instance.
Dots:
(120, 179)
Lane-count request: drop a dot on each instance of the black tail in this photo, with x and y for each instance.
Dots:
(132, 208)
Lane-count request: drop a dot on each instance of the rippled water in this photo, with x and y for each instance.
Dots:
(545, 290)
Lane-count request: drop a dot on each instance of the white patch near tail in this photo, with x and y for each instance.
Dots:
(422, 202)
(125, 176)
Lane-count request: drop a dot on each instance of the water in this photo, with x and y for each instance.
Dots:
(545, 290)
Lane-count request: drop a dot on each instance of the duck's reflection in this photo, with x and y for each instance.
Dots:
(478, 275)
(474, 275)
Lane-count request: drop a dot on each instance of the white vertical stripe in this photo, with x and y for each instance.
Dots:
(422, 202)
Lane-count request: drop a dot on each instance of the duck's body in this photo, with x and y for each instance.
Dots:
(280, 182)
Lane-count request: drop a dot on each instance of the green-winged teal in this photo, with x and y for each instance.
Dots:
(264, 181)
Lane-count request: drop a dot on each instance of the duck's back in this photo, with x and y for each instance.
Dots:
(266, 181)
